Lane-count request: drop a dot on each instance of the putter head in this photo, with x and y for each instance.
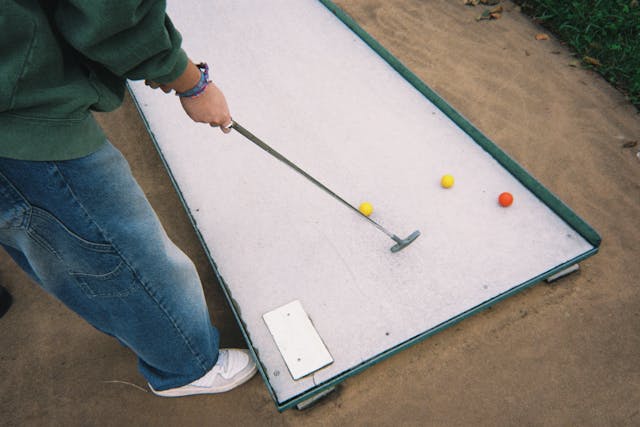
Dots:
(402, 243)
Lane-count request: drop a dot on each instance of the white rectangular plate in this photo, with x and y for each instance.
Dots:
(298, 341)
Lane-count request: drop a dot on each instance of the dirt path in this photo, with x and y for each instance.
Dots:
(562, 354)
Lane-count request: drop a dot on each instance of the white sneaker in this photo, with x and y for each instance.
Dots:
(234, 367)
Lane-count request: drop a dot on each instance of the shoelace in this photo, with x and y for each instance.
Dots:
(223, 362)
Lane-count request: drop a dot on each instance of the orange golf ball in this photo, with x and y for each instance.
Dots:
(505, 199)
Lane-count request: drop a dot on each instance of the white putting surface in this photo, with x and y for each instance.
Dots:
(299, 79)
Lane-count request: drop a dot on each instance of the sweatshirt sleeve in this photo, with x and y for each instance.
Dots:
(134, 39)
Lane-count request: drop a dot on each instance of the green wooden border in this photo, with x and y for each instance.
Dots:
(553, 202)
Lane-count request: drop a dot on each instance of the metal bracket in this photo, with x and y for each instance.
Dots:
(305, 404)
(562, 273)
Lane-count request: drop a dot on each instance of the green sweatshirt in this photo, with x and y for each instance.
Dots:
(61, 59)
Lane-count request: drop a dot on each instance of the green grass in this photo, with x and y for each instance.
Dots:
(606, 30)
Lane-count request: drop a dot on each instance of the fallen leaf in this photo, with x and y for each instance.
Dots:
(495, 13)
(630, 144)
(556, 52)
(484, 16)
(542, 36)
(471, 2)
(575, 63)
(592, 61)
(526, 52)
(490, 2)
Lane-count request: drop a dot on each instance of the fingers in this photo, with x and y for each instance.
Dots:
(226, 128)
(210, 107)
(154, 85)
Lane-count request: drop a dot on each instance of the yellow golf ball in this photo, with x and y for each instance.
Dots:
(447, 181)
(366, 208)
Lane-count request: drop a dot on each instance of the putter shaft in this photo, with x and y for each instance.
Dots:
(401, 243)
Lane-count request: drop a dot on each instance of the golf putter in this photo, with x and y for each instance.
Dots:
(400, 243)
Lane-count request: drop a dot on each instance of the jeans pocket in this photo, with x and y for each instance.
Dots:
(118, 282)
(13, 207)
(97, 267)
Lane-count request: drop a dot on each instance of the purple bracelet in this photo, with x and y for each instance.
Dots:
(200, 86)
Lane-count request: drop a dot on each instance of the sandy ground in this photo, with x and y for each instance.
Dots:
(560, 354)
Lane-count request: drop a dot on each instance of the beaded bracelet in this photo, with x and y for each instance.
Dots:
(200, 86)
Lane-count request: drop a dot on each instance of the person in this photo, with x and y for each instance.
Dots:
(5, 301)
(72, 215)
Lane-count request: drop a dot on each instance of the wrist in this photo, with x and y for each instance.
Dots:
(188, 79)
(201, 84)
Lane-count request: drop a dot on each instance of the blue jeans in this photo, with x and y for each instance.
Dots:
(84, 230)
